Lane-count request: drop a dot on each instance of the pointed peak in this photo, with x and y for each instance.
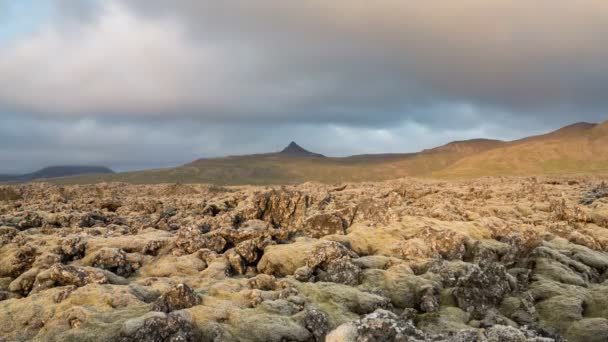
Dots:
(295, 150)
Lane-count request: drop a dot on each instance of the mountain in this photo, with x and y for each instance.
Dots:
(577, 148)
(56, 172)
(295, 150)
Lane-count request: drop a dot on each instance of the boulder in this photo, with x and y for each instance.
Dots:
(179, 297)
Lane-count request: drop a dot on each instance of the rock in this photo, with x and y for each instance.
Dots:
(253, 230)
(342, 271)
(447, 243)
(159, 327)
(482, 288)
(595, 193)
(317, 323)
(303, 274)
(110, 205)
(346, 332)
(379, 326)
(62, 275)
(236, 262)
(327, 251)
(193, 238)
(179, 297)
(168, 213)
(251, 250)
(71, 249)
(429, 299)
(114, 260)
(324, 224)
(152, 247)
(280, 208)
(263, 282)
(93, 219)
(27, 221)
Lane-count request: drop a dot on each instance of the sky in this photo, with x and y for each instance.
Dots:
(135, 84)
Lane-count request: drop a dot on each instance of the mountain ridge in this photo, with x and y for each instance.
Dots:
(577, 148)
(56, 171)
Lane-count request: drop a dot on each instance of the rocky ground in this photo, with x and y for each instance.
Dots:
(495, 259)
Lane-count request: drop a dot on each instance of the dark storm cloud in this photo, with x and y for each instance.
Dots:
(377, 76)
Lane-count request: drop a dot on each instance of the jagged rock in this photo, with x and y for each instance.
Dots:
(177, 298)
(482, 288)
(447, 243)
(62, 275)
(279, 207)
(93, 219)
(236, 262)
(256, 230)
(191, 239)
(327, 251)
(342, 271)
(113, 259)
(27, 221)
(324, 224)
(159, 327)
(317, 323)
(429, 299)
(252, 250)
(71, 249)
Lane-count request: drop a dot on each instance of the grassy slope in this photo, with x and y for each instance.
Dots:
(575, 149)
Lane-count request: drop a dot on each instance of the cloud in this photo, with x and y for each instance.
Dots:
(338, 61)
(386, 75)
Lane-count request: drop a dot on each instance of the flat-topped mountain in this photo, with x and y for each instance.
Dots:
(577, 148)
(57, 172)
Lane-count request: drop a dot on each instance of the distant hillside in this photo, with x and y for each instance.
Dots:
(56, 172)
(578, 148)
(467, 146)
